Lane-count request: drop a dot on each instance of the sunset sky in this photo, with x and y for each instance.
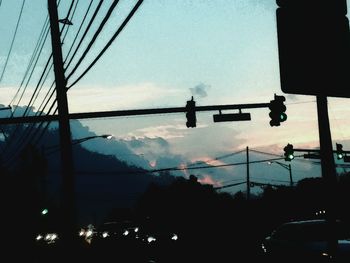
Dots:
(220, 52)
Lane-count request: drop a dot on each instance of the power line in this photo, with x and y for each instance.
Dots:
(41, 35)
(85, 32)
(77, 34)
(26, 135)
(229, 185)
(13, 41)
(266, 153)
(216, 158)
(133, 11)
(185, 168)
(92, 41)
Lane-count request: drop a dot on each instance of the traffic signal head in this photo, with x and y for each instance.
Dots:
(191, 113)
(340, 153)
(288, 152)
(277, 111)
(44, 211)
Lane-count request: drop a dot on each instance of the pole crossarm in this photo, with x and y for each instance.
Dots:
(119, 113)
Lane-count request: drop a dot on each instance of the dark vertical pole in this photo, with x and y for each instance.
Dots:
(290, 174)
(328, 168)
(248, 179)
(68, 197)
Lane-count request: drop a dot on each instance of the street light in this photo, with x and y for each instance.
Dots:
(55, 148)
(288, 167)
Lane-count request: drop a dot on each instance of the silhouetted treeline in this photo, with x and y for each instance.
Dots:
(214, 225)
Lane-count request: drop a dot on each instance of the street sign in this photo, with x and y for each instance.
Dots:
(232, 117)
(314, 48)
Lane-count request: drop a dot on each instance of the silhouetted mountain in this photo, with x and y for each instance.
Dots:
(102, 182)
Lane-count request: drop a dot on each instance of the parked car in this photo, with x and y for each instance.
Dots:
(307, 240)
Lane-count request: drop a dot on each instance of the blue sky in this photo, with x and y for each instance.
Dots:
(221, 52)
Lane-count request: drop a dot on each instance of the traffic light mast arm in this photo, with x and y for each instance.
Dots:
(315, 150)
(106, 114)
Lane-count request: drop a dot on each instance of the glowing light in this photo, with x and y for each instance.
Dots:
(44, 211)
(126, 232)
(89, 233)
(136, 229)
(174, 237)
(39, 237)
(105, 234)
(151, 239)
(81, 233)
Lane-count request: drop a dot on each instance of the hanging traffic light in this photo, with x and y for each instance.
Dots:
(288, 152)
(191, 113)
(340, 153)
(277, 111)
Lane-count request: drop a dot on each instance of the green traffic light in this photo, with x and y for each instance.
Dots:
(283, 117)
(340, 156)
(291, 156)
(44, 211)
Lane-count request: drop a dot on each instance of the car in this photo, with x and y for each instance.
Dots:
(307, 240)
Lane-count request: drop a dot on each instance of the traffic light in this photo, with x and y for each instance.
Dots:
(314, 47)
(340, 153)
(191, 113)
(44, 211)
(278, 109)
(288, 152)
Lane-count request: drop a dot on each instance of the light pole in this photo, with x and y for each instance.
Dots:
(288, 167)
(55, 148)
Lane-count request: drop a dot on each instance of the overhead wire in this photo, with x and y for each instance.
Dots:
(51, 90)
(25, 135)
(92, 41)
(100, 28)
(186, 168)
(13, 41)
(115, 35)
(215, 159)
(41, 35)
(42, 39)
(120, 29)
(78, 31)
(97, 9)
(36, 88)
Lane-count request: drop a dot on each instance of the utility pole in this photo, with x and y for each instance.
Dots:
(290, 175)
(328, 168)
(248, 179)
(68, 196)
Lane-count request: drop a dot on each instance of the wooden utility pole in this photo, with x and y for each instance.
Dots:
(68, 227)
(248, 178)
(328, 170)
(290, 175)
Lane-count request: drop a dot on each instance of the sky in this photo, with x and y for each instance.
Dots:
(219, 52)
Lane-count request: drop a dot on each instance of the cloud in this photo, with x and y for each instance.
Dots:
(167, 131)
(200, 90)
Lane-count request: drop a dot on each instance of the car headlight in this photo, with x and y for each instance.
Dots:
(151, 239)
